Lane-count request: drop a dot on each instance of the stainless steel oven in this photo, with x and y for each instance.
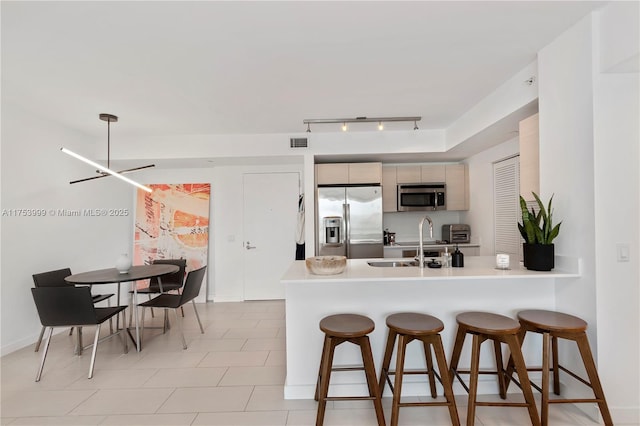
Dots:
(421, 197)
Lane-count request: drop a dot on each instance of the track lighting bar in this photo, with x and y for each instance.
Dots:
(344, 121)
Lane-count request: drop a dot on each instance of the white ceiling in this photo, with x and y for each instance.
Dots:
(205, 67)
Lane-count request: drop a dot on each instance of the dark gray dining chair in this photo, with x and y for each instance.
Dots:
(170, 282)
(167, 301)
(73, 307)
(56, 279)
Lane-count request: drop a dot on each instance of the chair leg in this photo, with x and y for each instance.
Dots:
(592, 372)
(556, 370)
(179, 322)
(324, 379)
(123, 334)
(473, 379)
(508, 374)
(79, 344)
(325, 348)
(39, 339)
(372, 382)
(44, 354)
(110, 319)
(93, 352)
(197, 316)
(457, 349)
(523, 376)
(544, 401)
(430, 373)
(500, 369)
(397, 384)
(447, 380)
(141, 324)
(388, 352)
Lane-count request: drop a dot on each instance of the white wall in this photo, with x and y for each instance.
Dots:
(617, 182)
(619, 37)
(228, 226)
(511, 96)
(36, 175)
(576, 103)
(480, 214)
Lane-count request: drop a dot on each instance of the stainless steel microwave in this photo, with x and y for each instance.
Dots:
(421, 197)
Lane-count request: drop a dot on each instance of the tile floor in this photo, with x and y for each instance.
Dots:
(231, 375)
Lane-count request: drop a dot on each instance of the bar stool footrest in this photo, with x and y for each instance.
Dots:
(350, 398)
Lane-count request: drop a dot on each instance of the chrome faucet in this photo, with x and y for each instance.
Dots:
(420, 254)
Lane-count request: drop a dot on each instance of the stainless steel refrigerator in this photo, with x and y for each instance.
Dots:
(349, 221)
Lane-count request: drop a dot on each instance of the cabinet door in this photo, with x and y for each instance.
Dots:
(365, 173)
(332, 174)
(529, 157)
(457, 187)
(389, 189)
(433, 173)
(409, 174)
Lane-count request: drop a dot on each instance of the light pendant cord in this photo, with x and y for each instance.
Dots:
(106, 170)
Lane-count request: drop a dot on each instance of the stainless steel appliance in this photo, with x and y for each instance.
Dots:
(349, 221)
(456, 233)
(421, 197)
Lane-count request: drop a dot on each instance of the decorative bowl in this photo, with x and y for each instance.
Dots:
(326, 265)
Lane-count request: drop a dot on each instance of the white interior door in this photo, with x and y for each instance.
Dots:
(270, 215)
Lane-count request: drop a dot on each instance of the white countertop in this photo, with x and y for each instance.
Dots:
(476, 267)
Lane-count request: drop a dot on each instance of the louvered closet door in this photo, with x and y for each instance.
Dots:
(506, 186)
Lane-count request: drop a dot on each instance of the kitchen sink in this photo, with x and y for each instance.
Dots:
(393, 263)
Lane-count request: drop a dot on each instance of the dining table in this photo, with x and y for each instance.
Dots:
(113, 276)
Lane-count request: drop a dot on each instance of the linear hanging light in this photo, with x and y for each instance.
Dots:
(344, 121)
(103, 169)
(106, 171)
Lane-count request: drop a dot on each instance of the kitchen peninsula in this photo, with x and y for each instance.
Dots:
(380, 291)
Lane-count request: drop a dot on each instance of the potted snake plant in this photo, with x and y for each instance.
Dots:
(538, 232)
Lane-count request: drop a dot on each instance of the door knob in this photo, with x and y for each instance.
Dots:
(248, 246)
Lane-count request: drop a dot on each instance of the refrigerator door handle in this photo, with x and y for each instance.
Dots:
(346, 213)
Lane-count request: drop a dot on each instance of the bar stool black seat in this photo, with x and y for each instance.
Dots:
(339, 329)
(553, 326)
(406, 327)
(500, 329)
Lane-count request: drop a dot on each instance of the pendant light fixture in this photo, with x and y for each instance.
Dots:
(106, 171)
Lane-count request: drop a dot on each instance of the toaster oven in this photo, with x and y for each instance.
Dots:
(456, 233)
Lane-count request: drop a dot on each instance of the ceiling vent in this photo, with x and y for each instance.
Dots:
(298, 142)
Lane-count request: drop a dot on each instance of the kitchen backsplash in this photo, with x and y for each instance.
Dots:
(405, 224)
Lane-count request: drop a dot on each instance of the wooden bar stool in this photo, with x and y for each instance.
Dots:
(407, 327)
(553, 326)
(337, 330)
(500, 329)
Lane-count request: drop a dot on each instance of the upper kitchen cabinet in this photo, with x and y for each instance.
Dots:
(457, 186)
(389, 189)
(433, 173)
(455, 177)
(348, 173)
(529, 157)
(430, 173)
